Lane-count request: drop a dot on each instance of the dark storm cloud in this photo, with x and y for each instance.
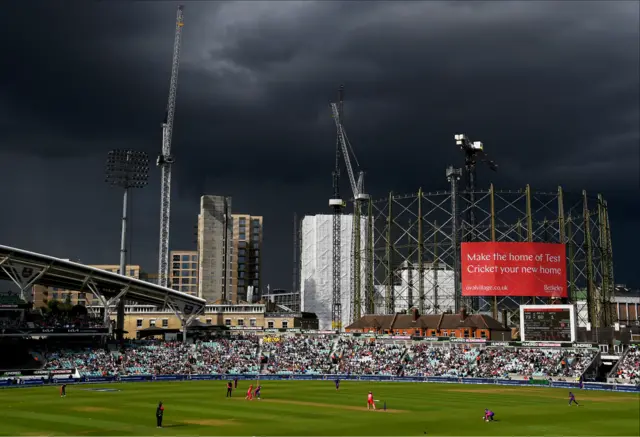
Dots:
(551, 88)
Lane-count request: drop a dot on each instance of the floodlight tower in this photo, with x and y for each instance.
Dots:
(473, 152)
(126, 169)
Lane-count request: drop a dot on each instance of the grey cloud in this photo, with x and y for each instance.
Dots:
(551, 88)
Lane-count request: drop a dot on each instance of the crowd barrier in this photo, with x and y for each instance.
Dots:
(436, 379)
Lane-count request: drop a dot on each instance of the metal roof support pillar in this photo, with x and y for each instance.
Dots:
(25, 278)
(185, 320)
(106, 303)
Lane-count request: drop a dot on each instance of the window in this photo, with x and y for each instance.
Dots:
(175, 258)
(227, 322)
(194, 266)
(241, 267)
(445, 333)
(241, 275)
(186, 257)
(270, 324)
(208, 321)
(256, 283)
(256, 252)
(194, 258)
(242, 236)
(139, 323)
(453, 334)
(483, 334)
(185, 266)
(252, 322)
(255, 237)
(242, 252)
(176, 266)
(240, 322)
(165, 322)
(242, 244)
(242, 221)
(241, 282)
(433, 333)
(241, 259)
(285, 324)
(466, 333)
(176, 273)
(152, 323)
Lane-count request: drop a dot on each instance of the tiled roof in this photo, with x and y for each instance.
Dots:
(432, 321)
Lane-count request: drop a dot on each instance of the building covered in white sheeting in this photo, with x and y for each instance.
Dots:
(316, 271)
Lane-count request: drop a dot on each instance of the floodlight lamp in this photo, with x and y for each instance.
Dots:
(460, 137)
(478, 145)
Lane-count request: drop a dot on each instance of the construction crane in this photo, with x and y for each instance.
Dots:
(337, 204)
(357, 188)
(165, 160)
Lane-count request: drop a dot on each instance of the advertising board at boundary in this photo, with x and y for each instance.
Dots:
(514, 269)
(371, 378)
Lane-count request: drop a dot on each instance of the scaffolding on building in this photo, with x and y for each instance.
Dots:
(287, 300)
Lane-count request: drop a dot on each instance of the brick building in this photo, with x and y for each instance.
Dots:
(461, 325)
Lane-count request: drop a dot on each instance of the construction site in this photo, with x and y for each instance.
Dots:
(395, 252)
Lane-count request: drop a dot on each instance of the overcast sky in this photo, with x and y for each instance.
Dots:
(551, 88)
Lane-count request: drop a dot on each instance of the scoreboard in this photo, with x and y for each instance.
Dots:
(548, 323)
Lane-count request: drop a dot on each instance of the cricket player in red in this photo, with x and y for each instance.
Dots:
(249, 393)
(370, 402)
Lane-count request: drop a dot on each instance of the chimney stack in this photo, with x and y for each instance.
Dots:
(415, 314)
(463, 314)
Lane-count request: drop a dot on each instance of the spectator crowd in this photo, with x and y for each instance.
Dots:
(629, 368)
(326, 355)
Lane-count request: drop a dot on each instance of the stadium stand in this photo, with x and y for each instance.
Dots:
(324, 355)
(629, 368)
(297, 355)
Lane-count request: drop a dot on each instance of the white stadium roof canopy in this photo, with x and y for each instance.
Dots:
(26, 268)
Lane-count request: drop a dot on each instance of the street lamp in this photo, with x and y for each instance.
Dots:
(126, 169)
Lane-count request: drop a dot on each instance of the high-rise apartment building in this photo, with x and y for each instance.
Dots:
(246, 257)
(215, 229)
(184, 271)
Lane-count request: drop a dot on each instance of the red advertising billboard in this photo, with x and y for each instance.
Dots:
(514, 269)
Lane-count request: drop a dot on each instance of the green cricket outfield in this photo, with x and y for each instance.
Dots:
(314, 408)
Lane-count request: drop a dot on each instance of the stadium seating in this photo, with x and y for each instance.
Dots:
(297, 355)
(330, 355)
(629, 368)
